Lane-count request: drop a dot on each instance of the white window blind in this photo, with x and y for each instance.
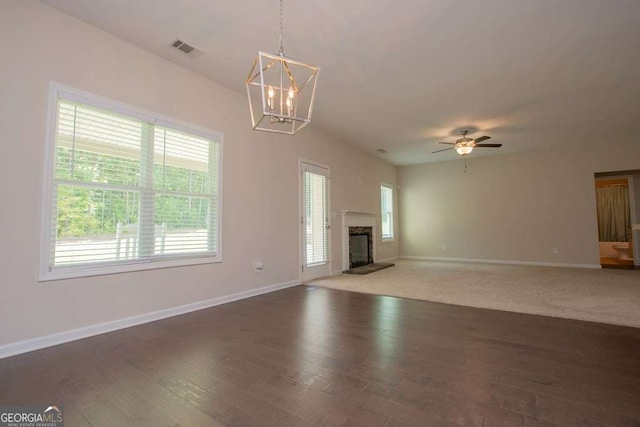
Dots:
(129, 191)
(386, 211)
(316, 219)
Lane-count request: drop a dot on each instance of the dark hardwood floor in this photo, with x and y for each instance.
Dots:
(314, 356)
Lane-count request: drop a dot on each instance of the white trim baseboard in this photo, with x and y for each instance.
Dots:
(498, 261)
(44, 341)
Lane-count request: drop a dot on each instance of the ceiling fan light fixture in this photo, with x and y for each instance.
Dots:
(464, 150)
(282, 89)
(464, 145)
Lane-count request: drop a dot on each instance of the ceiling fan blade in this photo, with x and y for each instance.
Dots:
(488, 145)
(444, 149)
(448, 143)
(482, 138)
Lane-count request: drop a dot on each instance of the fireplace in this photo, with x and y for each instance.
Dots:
(360, 246)
(358, 223)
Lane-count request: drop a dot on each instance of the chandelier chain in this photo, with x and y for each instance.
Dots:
(281, 28)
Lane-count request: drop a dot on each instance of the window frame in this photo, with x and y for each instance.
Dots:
(57, 91)
(388, 238)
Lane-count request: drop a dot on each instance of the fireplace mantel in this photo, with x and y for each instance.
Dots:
(359, 213)
(357, 219)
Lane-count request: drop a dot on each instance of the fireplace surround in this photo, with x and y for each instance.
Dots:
(358, 221)
(360, 246)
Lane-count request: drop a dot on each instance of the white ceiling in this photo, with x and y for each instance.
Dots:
(403, 75)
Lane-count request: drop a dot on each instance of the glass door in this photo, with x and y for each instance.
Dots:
(315, 221)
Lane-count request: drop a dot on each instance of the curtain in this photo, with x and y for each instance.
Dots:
(614, 218)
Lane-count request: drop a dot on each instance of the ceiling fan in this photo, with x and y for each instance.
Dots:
(466, 145)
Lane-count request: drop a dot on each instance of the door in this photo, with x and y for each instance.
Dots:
(314, 182)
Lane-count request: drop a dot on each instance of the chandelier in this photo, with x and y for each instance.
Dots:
(281, 91)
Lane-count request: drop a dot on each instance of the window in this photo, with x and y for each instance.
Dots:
(386, 211)
(127, 190)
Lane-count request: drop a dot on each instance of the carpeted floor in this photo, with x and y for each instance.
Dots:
(607, 296)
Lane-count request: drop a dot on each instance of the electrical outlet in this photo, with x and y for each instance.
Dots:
(555, 251)
(258, 266)
(444, 247)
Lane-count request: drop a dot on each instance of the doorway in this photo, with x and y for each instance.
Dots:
(314, 220)
(616, 199)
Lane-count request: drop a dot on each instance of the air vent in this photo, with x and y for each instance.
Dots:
(185, 48)
(381, 151)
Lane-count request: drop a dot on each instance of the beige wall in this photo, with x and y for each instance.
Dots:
(260, 213)
(511, 207)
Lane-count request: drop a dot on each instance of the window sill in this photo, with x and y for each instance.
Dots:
(77, 272)
(388, 239)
